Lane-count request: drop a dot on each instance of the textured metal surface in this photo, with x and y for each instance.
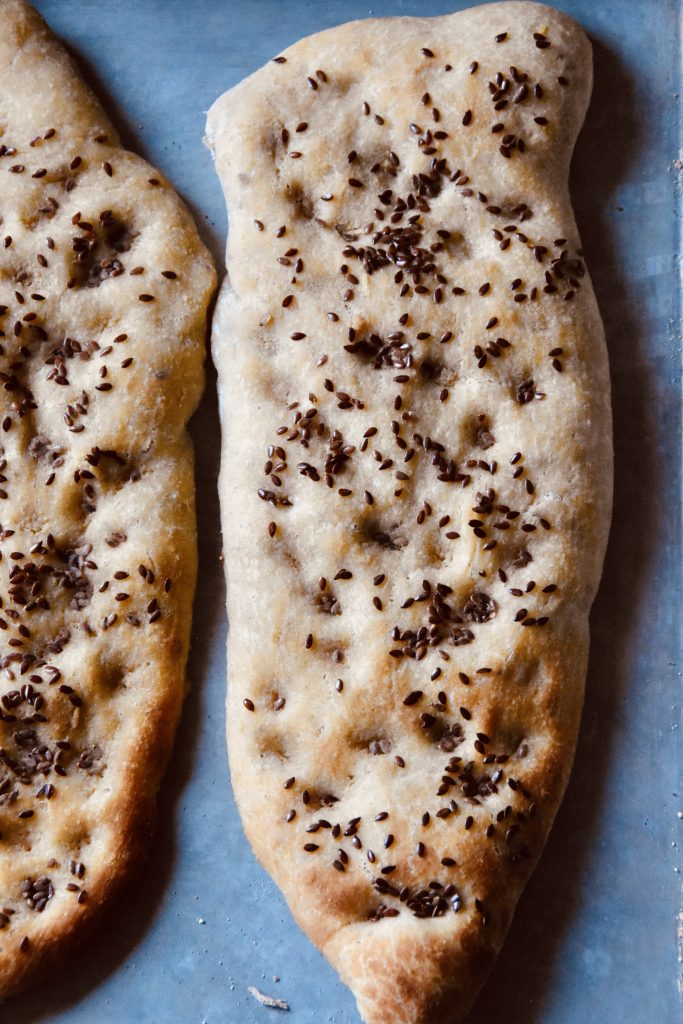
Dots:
(595, 935)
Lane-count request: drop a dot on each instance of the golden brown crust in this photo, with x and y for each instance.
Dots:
(104, 288)
(415, 482)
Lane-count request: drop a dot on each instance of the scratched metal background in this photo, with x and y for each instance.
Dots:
(595, 936)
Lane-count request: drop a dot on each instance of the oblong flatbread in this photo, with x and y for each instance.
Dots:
(415, 483)
(104, 287)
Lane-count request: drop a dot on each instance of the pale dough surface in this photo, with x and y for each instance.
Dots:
(104, 287)
(416, 481)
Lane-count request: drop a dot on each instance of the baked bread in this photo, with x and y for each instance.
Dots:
(104, 286)
(415, 482)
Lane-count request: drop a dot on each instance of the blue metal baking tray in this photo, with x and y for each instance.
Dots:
(595, 936)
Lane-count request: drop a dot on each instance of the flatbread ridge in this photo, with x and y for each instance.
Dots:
(104, 288)
(415, 482)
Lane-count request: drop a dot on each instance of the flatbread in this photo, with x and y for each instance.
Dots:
(415, 484)
(104, 286)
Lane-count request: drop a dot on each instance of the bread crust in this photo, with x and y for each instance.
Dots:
(104, 288)
(415, 481)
